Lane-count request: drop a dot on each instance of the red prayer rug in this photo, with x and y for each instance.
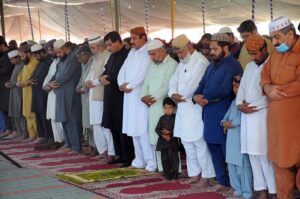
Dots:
(52, 162)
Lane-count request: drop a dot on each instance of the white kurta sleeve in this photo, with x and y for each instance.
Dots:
(50, 74)
(196, 77)
(240, 97)
(96, 82)
(139, 78)
(121, 75)
(173, 84)
(89, 76)
(161, 93)
(145, 87)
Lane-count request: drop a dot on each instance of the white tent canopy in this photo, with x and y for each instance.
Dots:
(86, 19)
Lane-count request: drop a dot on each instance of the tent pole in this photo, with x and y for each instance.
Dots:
(116, 17)
(172, 17)
(20, 32)
(40, 25)
(2, 18)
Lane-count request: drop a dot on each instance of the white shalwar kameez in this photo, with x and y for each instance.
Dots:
(254, 128)
(58, 132)
(102, 136)
(188, 122)
(135, 117)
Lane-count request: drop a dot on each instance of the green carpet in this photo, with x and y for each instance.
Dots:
(101, 175)
(22, 183)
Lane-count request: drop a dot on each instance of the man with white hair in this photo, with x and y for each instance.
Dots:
(39, 96)
(85, 57)
(15, 97)
(130, 80)
(188, 121)
(280, 80)
(102, 136)
(68, 102)
(155, 89)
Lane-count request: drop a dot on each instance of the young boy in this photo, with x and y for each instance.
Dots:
(239, 167)
(167, 144)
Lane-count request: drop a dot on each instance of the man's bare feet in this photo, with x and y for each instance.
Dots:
(273, 196)
(65, 149)
(145, 171)
(73, 153)
(203, 183)
(131, 167)
(193, 180)
(235, 196)
(219, 187)
(263, 194)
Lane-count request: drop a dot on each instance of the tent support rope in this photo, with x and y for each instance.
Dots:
(30, 20)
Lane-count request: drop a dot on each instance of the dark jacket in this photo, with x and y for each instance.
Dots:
(113, 97)
(6, 69)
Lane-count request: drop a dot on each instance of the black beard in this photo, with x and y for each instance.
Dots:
(219, 58)
(261, 62)
(63, 57)
(26, 61)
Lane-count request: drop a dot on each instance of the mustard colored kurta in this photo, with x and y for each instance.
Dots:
(24, 76)
(283, 69)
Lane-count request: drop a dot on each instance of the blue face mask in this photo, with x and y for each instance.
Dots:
(282, 48)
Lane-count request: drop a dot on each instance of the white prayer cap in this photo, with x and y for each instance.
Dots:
(94, 39)
(225, 30)
(279, 23)
(13, 54)
(42, 42)
(36, 47)
(154, 44)
(58, 43)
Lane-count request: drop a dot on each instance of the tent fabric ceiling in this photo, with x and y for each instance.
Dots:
(86, 19)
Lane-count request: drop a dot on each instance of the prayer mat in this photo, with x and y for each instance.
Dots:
(101, 175)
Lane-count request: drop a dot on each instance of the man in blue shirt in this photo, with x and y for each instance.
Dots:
(215, 94)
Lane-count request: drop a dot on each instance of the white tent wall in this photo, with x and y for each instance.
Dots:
(86, 19)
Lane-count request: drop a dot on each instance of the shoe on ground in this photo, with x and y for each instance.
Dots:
(6, 133)
(13, 135)
(125, 165)
(40, 141)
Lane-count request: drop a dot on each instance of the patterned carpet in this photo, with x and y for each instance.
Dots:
(51, 162)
